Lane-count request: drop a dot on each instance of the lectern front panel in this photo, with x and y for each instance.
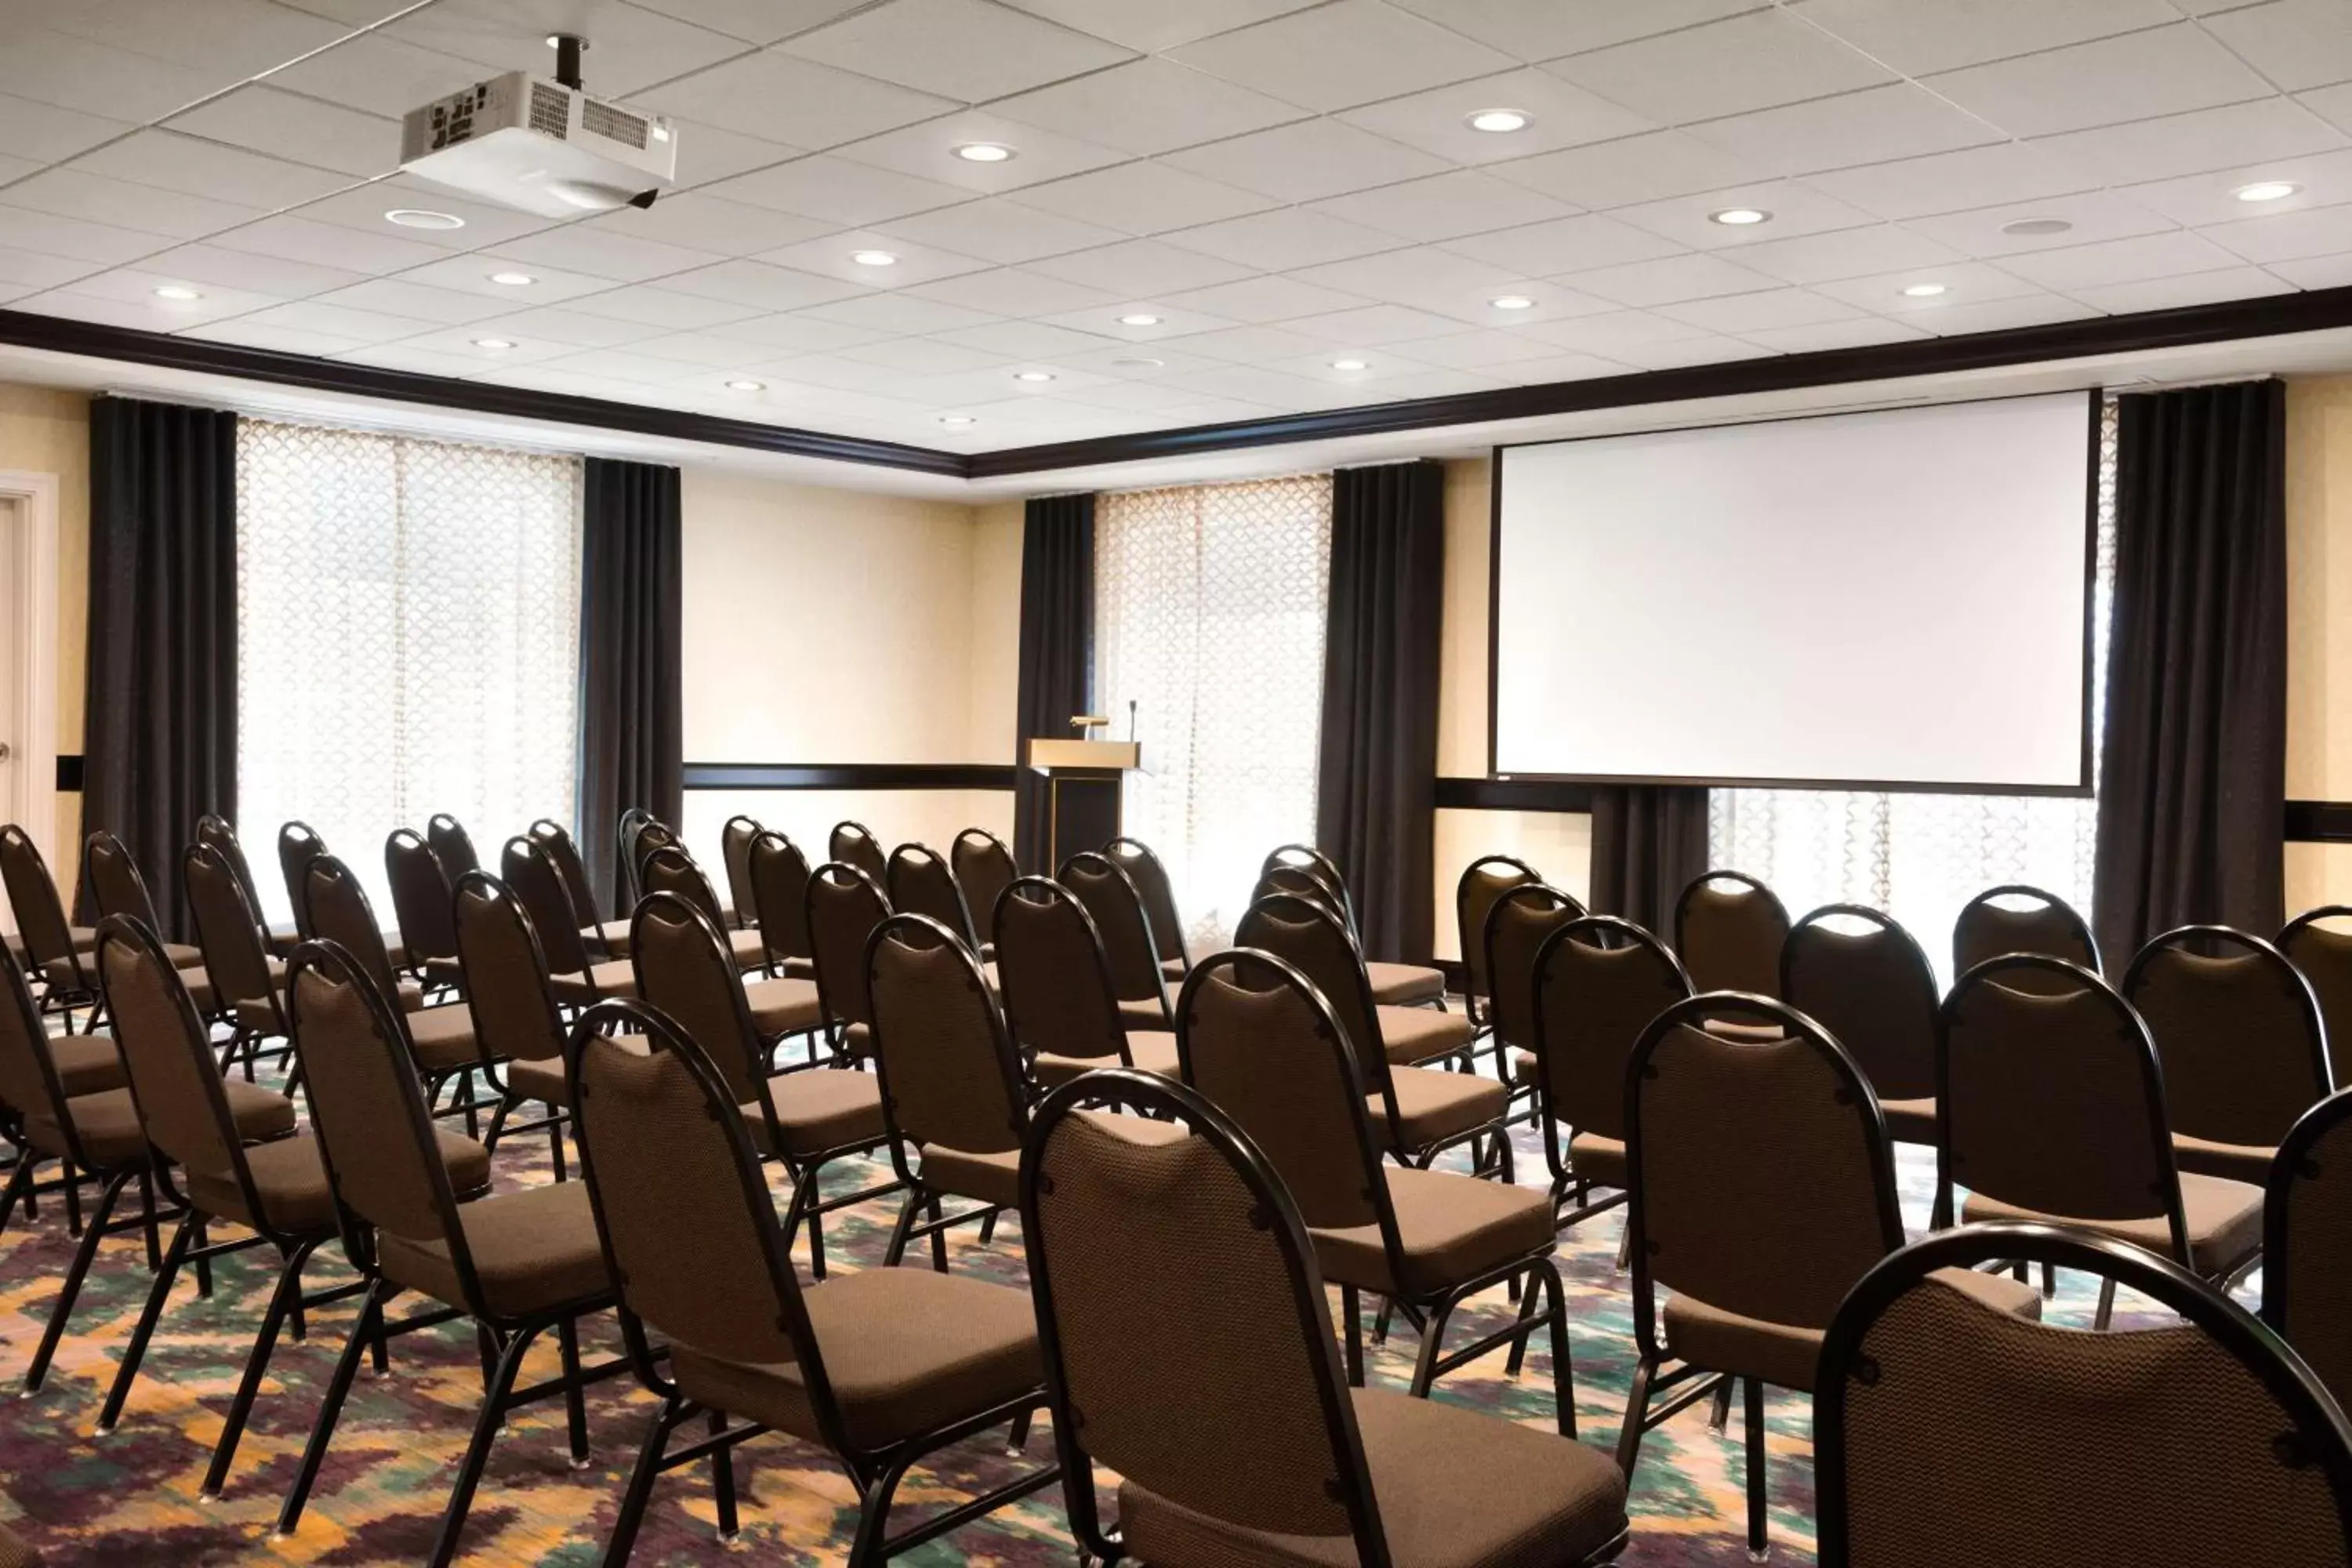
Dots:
(1083, 813)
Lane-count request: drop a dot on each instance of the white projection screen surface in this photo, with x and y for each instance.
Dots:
(1889, 599)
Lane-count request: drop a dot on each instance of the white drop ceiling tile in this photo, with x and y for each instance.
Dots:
(2006, 171)
(959, 48)
(833, 257)
(623, 364)
(1427, 384)
(340, 320)
(599, 251)
(707, 154)
(1344, 54)
(774, 97)
(1031, 340)
(1560, 114)
(1285, 238)
(1866, 332)
(362, 208)
(296, 238)
(1475, 349)
(1377, 326)
(2197, 288)
(2315, 271)
(561, 324)
(1140, 363)
(1255, 384)
(1251, 345)
(2201, 200)
(2090, 215)
(1143, 198)
(665, 308)
(75, 238)
(235, 38)
(839, 190)
(471, 274)
(2196, 143)
(12, 169)
(1712, 349)
(74, 73)
(2333, 104)
(264, 120)
(1964, 283)
(1173, 322)
(1014, 292)
(1766, 308)
(109, 312)
(1141, 267)
(753, 21)
(1444, 206)
(2121, 261)
(1544, 29)
(1745, 62)
(2001, 315)
(1424, 276)
(274, 275)
(923, 356)
(2288, 236)
(629, 49)
(1134, 396)
(1672, 280)
(1796, 209)
(1255, 300)
(31, 269)
(903, 314)
(1919, 40)
(775, 337)
(711, 351)
(176, 162)
(544, 378)
(1845, 253)
(1154, 24)
(1002, 230)
(1560, 367)
(1147, 106)
(928, 152)
(378, 75)
(1878, 123)
(1308, 161)
(45, 133)
(67, 191)
(1565, 245)
(1609, 334)
(699, 221)
(137, 286)
(2164, 70)
(246, 331)
(2295, 43)
(1639, 168)
(400, 296)
(459, 344)
(759, 285)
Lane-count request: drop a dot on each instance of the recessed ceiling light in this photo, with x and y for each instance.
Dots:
(1498, 120)
(1923, 291)
(1739, 218)
(747, 386)
(872, 259)
(494, 343)
(984, 151)
(1511, 302)
(513, 280)
(955, 419)
(2027, 227)
(2266, 191)
(1140, 319)
(1033, 376)
(176, 292)
(421, 217)
(1138, 364)
(1349, 364)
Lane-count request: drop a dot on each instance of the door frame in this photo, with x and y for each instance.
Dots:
(28, 571)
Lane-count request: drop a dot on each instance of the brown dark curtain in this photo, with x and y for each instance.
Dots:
(160, 688)
(1057, 647)
(1649, 843)
(1376, 778)
(2192, 783)
(632, 725)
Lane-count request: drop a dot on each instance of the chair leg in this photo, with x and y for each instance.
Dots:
(1563, 1377)
(1352, 1310)
(1759, 1539)
(134, 1352)
(498, 1125)
(288, 1295)
(20, 1185)
(987, 1227)
(555, 1144)
(865, 1551)
(2107, 1303)
(478, 1451)
(196, 1244)
(722, 1478)
(575, 1399)
(1018, 1438)
(641, 1484)
(1432, 1332)
(1718, 1419)
(147, 1211)
(1637, 1412)
(364, 1333)
(74, 1276)
(938, 1239)
(73, 1199)
(898, 1247)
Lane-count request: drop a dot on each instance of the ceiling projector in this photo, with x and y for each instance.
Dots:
(545, 147)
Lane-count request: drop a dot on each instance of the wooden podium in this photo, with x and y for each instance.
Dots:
(1084, 786)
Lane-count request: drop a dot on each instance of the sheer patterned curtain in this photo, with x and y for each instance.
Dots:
(1920, 857)
(1209, 616)
(408, 623)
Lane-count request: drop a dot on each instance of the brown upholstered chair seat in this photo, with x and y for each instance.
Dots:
(2247, 1162)
(1433, 1105)
(800, 969)
(612, 937)
(857, 1041)
(1451, 1227)
(2225, 1222)
(255, 1014)
(444, 973)
(785, 1007)
(444, 1037)
(534, 1250)
(748, 948)
(536, 1079)
(1523, 1066)
(1910, 1121)
(1785, 1355)
(1418, 1034)
(292, 1183)
(906, 1350)
(1173, 968)
(1153, 1050)
(1597, 1160)
(614, 977)
(832, 1108)
(86, 1063)
(1142, 1013)
(1405, 985)
(1457, 1489)
(108, 1123)
(988, 1178)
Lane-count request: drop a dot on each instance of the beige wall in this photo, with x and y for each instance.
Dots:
(2319, 626)
(47, 432)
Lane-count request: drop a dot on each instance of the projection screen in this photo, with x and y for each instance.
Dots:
(1896, 599)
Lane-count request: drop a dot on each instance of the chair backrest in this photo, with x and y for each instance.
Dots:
(1308, 857)
(1728, 928)
(780, 877)
(669, 869)
(2050, 1096)
(1948, 1432)
(40, 913)
(2306, 1291)
(1052, 973)
(340, 912)
(1703, 1111)
(216, 833)
(1517, 924)
(923, 883)
(1153, 884)
(949, 1074)
(452, 845)
(2237, 1030)
(166, 1053)
(735, 860)
(1111, 898)
(116, 884)
(2322, 950)
(228, 931)
(1866, 980)
(1483, 880)
(1302, 882)
(651, 833)
(1599, 981)
(2014, 918)
(420, 897)
(1311, 939)
(556, 839)
(29, 1078)
(843, 906)
(685, 970)
(984, 869)
(624, 854)
(508, 986)
(1178, 1276)
(528, 867)
(854, 844)
(299, 844)
(1257, 1039)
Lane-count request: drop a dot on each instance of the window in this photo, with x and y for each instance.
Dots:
(1209, 616)
(1920, 857)
(408, 626)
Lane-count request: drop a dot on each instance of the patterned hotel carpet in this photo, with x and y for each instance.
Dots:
(131, 1498)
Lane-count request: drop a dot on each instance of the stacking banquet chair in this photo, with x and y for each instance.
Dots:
(1728, 928)
(1152, 885)
(984, 869)
(1181, 1276)
(883, 1367)
(299, 844)
(1393, 984)
(248, 980)
(532, 871)
(516, 1264)
(2052, 1112)
(920, 883)
(117, 886)
(2322, 950)
(1111, 896)
(951, 1082)
(1597, 982)
(2306, 1213)
(216, 833)
(841, 907)
(780, 876)
(1419, 1111)
(597, 934)
(518, 1019)
(1257, 1039)
(625, 857)
(452, 846)
(669, 869)
(55, 953)
(1484, 881)
(854, 844)
(420, 903)
(1060, 1004)
(779, 1008)
(2239, 1037)
(1950, 1433)
(1757, 1269)
(735, 837)
(801, 1120)
(1516, 925)
(38, 1071)
(1865, 979)
(276, 1189)
(2014, 918)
